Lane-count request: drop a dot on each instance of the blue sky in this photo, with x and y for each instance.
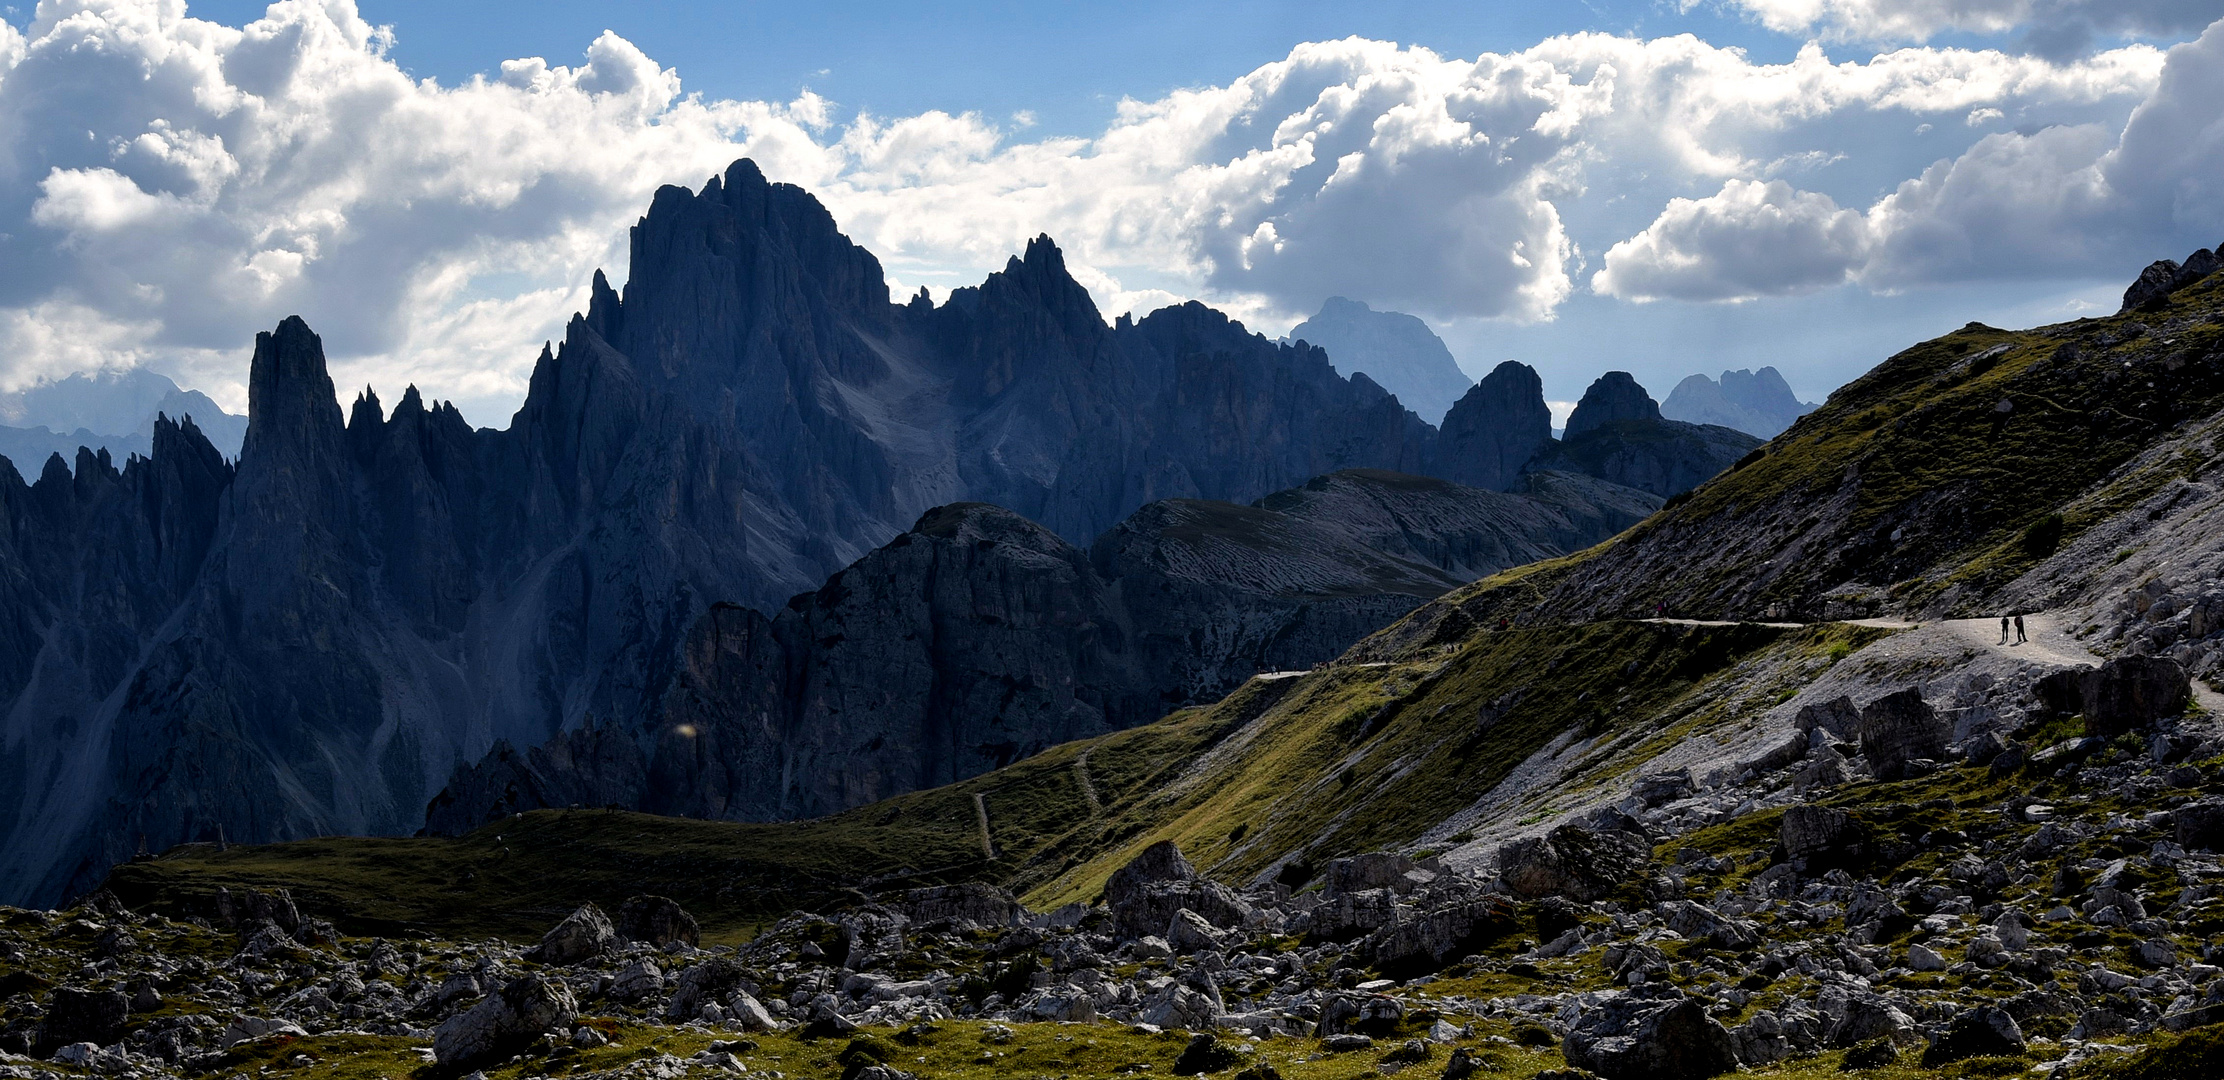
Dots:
(1806, 183)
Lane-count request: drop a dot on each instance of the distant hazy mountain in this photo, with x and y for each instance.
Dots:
(1755, 402)
(1396, 350)
(112, 411)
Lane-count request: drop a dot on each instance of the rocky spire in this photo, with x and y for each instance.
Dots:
(1614, 396)
(1495, 428)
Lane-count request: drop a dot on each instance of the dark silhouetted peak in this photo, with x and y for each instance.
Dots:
(1614, 396)
(1039, 279)
(605, 311)
(365, 415)
(290, 400)
(56, 474)
(1495, 428)
(183, 439)
(413, 403)
(744, 275)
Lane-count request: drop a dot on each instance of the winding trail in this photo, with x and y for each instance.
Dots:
(1088, 788)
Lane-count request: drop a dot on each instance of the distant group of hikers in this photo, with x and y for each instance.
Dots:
(2017, 620)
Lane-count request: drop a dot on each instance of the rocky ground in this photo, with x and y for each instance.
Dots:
(2047, 900)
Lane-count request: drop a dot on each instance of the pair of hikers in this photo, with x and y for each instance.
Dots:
(2018, 620)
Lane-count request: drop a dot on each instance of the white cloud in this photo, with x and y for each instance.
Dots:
(1749, 239)
(169, 185)
(2058, 201)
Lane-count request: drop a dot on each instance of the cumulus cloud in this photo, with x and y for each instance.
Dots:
(2061, 200)
(168, 185)
(1749, 239)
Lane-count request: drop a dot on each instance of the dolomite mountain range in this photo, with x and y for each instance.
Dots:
(856, 547)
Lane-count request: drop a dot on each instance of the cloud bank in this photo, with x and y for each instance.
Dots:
(2056, 201)
(169, 185)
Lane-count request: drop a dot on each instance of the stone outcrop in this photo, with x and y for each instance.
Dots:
(1394, 349)
(2120, 695)
(2155, 284)
(583, 935)
(658, 921)
(1820, 838)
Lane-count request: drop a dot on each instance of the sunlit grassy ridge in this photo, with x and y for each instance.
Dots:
(1929, 482)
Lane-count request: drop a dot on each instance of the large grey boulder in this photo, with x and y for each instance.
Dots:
(1143, 896)
(1838, 717)
(1899, 729)
(1426, 942)
(1650, 1035)
(704, 984)
(972, 903)
(503, 1023)
(583, 935)
(657, 921)
(1985, 1031)
(1817, 839)
(1348, 915)
(79, 1014)
(2200, 826)
(1572, 861)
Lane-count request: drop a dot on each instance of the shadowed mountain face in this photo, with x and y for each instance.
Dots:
(310, 641)
(979, 637)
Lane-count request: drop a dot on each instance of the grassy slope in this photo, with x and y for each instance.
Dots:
(1350, 758)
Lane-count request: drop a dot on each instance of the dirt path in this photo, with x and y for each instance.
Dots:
(1088, 788)
(988, 842)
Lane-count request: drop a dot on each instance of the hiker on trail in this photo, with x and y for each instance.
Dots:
(2003, 629)
(2020, 639)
